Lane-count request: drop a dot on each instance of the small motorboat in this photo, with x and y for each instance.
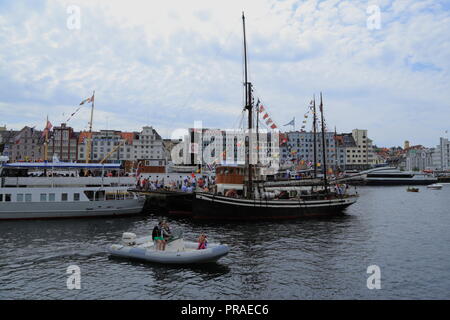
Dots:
(177, 251)
(435, 186)
(411, 189)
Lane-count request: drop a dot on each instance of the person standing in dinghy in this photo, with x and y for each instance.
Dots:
(202, 242)
(166, 234)
(158, 237)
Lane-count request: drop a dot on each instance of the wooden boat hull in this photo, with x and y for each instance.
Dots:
(208, 206)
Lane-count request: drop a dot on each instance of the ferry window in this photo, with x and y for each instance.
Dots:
(20, 197)
(89, 194)
(64, 196)
(1, 197)
(28, 197)
(7, 197)
(76, 197)
(110, 196)
(43, 197)
(100, 195)
(51, 197)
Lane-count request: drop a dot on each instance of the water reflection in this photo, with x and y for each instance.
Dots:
(404, 233)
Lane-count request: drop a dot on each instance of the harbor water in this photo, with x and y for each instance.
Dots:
(407, 235)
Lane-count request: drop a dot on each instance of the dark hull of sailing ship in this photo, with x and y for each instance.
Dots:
(174, 203)
(180, 204)
(210, 206)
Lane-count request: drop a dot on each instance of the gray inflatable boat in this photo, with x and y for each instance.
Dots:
(177, 251)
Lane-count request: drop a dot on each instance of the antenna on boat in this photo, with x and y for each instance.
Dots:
(248, 106)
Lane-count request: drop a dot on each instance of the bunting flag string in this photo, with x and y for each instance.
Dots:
(269, 122)
(78, 109)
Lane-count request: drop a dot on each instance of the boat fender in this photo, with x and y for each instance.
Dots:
(129, 239)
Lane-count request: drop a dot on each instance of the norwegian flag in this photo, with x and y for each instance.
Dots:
(91, 99)
(47, 128)
(138, 171)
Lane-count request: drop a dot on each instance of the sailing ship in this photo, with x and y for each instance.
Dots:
(256, 204)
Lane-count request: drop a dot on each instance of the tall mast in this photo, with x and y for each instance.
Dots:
(323, 146)
(248, 106)
(46, 141)
(335, 152)
(314, 136)
(89, 146)
(257, 133)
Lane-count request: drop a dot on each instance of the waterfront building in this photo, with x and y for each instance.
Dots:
(148, 147)
(361, 156)
(419, 158)
(343, 151)
(441, 155)
(24, 145)
(111, 145)
(63, 143)
(213, 146)
(6, 141)
(406, 145)
(299, 149)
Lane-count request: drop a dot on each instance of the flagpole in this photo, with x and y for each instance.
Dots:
(46, 141)
(89, 147)
(314, 137)
(335, 152)
(257, 133)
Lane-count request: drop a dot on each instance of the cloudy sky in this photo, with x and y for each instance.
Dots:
(170, 63)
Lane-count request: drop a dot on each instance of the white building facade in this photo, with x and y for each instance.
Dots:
(441, 155)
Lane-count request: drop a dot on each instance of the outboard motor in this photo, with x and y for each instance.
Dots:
(128, 239)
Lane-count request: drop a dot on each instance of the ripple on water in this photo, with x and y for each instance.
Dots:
(405, 234)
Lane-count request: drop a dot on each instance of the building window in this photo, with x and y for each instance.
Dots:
(64, 196)
(51, 197)
(43, 197)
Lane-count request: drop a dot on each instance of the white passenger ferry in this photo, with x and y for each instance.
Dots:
(391, 176)
(61, 190)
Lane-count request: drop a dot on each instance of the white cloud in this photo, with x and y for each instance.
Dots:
(169, 63)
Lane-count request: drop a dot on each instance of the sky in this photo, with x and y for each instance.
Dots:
(170, 63)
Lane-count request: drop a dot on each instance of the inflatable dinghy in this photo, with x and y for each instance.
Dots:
(177, 250)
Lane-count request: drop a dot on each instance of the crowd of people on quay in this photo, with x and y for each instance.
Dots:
(185, 184)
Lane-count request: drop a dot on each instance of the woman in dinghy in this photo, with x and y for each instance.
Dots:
(202, 241)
